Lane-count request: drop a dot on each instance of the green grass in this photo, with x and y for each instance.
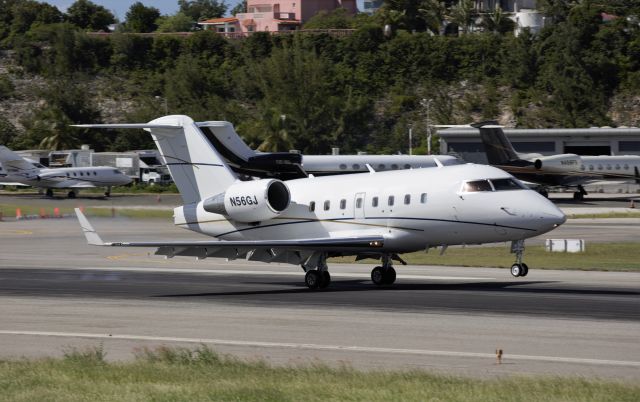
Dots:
(202, 374)
(598, 256)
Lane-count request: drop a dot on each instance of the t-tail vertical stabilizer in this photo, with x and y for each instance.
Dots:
(196, 167)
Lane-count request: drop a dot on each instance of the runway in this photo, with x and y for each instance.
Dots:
(56, 293)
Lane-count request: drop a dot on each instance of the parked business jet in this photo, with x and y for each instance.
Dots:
(286, 165)
(16, 169)
(563, 170)
(305, 221)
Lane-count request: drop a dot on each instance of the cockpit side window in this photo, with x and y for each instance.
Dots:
(506, 184)
(476, 185)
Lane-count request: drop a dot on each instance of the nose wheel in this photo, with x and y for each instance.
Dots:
(519, 268)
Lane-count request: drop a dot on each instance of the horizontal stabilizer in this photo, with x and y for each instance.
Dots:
(127, 125)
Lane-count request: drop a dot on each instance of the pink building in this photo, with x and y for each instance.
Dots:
(275, 15)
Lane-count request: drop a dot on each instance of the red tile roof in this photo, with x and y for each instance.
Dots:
(219, 20)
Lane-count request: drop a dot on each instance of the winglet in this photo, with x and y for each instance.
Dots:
(89, 232)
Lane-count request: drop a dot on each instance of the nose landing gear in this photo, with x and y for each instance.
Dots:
(519, 268)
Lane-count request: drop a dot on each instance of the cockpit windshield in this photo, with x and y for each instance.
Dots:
(503, 184)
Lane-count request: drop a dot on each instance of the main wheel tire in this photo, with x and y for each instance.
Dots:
(312, 279)
(49, 193)
(71, 194)
(390, 276)
(516, 270)
(525, 269)
(377, 276)
(325, 279)
(578, 196)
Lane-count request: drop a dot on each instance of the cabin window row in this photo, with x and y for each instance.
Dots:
(76, 174)
(375, 202)
(609, 167)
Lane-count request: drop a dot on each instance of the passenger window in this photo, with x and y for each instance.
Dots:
(582, 167)
(608, 167)
(394, 166)
(477, 185)
(590, 167)
(599, 167)
(327, 205)
(81, 173)
(94, 173)
(343, 166)
(343, 204)
(407, 199)
(356, 166)
(358, 202)
(423, 198)
(390, 200)
(407, 166)
(67, 172)
(374, 202)
(505, 184)
(626, 167)
(617, 167)
(312, 206)
(74, 173)
(381, 166)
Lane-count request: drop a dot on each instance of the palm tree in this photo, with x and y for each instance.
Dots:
(464, 15)
(432, 12)
(497, 21)
(277, 137)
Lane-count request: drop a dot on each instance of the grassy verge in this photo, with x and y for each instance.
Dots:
(598, 256)
(201, 374)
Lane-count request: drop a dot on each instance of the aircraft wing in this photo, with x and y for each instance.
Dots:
(261, 250)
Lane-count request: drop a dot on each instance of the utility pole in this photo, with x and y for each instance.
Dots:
(427, 103)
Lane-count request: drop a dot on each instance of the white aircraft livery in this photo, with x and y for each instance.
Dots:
(16, 169)
(304, 221)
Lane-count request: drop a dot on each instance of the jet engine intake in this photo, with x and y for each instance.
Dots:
(251, 201)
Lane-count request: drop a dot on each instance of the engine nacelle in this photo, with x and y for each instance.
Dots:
(251, 201)
(559, 163)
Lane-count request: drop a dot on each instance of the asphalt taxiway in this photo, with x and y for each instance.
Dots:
(56, 293)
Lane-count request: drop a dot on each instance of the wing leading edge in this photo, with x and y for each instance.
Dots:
(263, 250)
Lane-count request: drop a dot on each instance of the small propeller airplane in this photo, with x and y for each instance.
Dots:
(304, 221)
(16, 169)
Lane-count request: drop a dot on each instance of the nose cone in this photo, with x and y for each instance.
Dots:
(548, 216)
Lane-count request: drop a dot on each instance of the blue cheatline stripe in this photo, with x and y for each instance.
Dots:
(367, 224)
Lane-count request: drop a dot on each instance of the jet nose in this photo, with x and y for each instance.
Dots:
(550, 216)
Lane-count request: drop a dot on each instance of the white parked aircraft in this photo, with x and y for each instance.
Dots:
(563, 170)
(286, 165)
(16, 169)
(304, 221)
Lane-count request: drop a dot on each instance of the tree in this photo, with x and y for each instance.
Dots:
(8, 132)
(199, 10)
(239, 8)
(90, 16)
(464, 15)
(141, 18)
(179, 22)
(432, 12)
(27, 13)
(497, 21)
(335, 19)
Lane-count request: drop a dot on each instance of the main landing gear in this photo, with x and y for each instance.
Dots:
(519, 268)
(385, 274)
(317, 273)
(579, 195)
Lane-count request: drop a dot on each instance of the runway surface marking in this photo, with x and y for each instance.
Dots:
(311, 346)
(253, 272)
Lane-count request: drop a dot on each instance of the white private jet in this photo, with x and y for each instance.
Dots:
(16, 169)
(563, 170)
(304, 221)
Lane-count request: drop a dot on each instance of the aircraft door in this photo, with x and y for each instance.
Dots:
(358, 206)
